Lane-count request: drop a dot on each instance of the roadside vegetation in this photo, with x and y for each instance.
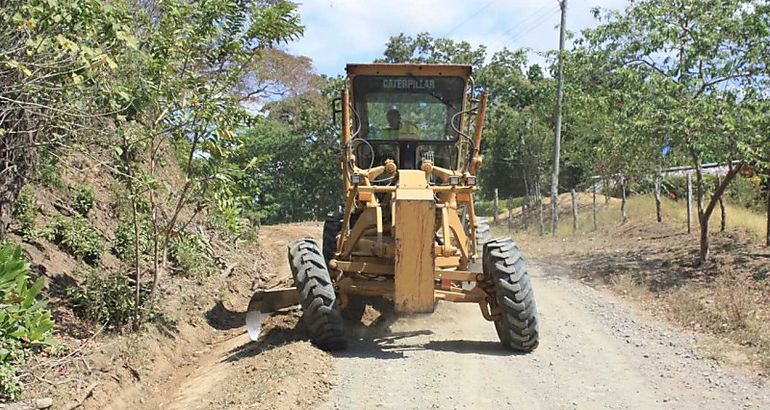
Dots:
(656, 264)
(142, 145)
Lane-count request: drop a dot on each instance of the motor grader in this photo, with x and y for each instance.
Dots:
(407, 232)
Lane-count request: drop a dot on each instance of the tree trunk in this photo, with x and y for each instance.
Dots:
(574, 211)
(722, 210)
(767, 232)
(703, 222)
(658, 213)
(706, 213)
(623, 212)
(495, 209)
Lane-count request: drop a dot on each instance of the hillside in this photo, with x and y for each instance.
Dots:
(193, 309)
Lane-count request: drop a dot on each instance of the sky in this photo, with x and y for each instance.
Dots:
(338, 32)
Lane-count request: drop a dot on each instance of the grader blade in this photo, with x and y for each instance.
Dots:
(265, 302)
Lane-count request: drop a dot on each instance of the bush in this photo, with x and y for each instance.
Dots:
(124, 239)
(486, 207)
(76, 237)
(47, 172)
(187, 252)
(227, 222)
(106, 299)
(25, 321)
(10, 387)
(25, 211)
(83, 200)
(747, 192)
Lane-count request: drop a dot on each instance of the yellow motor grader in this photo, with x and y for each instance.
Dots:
(407, 232)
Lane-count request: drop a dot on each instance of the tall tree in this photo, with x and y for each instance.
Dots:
(702, 65)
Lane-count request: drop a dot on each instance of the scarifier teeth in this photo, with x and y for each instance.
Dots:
(254, 319)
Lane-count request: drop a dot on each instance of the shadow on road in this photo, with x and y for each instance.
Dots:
(484, 347)
(221, 318)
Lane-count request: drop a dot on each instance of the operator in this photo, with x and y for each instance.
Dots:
(397, 127)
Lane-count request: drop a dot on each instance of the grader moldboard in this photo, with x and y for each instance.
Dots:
(407, 232)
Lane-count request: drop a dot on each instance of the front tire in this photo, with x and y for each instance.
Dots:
(332, 228)
(320, 311)
(517, 324)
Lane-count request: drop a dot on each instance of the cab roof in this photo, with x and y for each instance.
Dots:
(417, 70)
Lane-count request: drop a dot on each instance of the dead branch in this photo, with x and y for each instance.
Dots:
(88, 393)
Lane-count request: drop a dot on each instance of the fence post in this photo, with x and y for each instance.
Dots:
(510, 214)
(593, 207)
(495, 209)
(539, 207)
(574, 211)
(623, 213)
(689, 202)
(767, 232)
(658, 212)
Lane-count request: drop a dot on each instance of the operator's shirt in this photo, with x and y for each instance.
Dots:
(395, 133)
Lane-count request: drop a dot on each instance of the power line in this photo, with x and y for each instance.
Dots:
(469, 18)
(527, 20)
(531, 27)
(536, 17)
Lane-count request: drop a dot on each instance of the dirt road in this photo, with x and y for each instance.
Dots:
(596, 351)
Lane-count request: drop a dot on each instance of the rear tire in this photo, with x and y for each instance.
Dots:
(320, 311)
(483, 234)
(517, 325)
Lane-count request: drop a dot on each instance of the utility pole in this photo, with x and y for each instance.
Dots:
(557, 132)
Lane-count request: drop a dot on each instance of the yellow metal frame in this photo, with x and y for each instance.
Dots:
(391, 250)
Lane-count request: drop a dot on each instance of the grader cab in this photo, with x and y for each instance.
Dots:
(407, 232)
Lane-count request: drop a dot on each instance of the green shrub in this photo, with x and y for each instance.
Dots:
(104, 299)
(227, 222)
(10, 387)
(25, 211)
(486, 207)
(187, 253)
(25, 321)
(747, 192)
(76, 237)
(124, 239)
(83, 200)
(47, 172)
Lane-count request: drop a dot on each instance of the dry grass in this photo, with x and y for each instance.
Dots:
(642, 207)
(727, 308)
(654, 264)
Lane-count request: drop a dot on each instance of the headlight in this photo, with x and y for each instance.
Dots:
(356, 179)
(454, 180)
(470, 180)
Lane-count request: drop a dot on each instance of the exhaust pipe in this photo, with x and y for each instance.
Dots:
(263, 303)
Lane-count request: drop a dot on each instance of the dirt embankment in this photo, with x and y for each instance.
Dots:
(225, 369)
